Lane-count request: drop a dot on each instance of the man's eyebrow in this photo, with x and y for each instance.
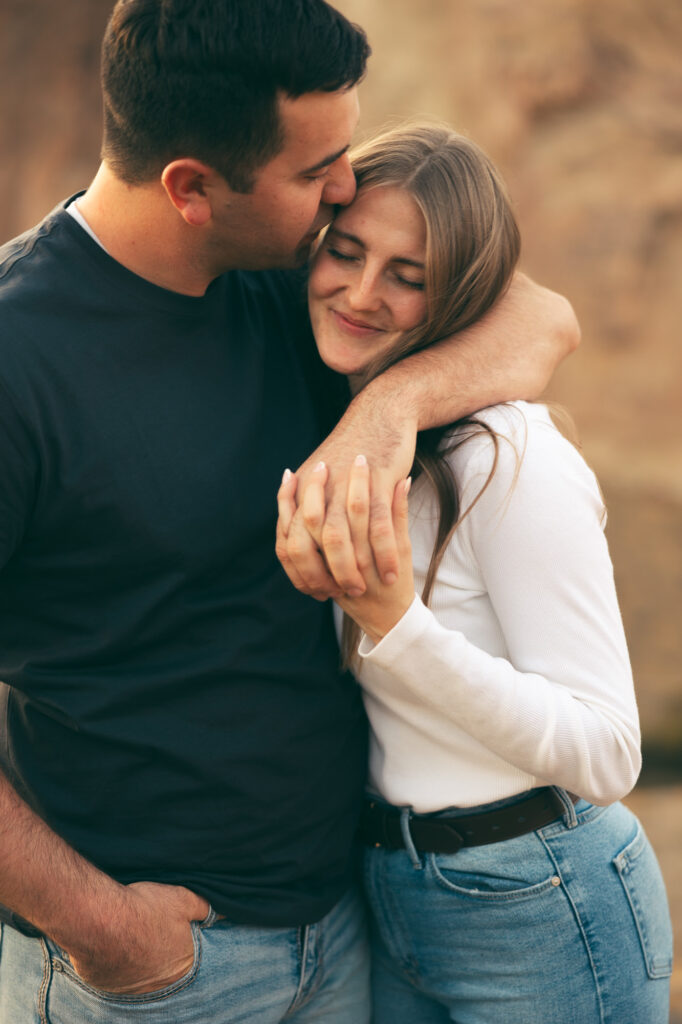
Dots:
(358, 241)
(326, 162)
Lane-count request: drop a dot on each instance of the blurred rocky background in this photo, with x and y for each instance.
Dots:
(580, 103)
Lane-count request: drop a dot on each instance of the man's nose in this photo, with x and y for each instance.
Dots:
(340, 186)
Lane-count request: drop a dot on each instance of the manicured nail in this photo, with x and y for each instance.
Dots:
(408, 484)
(354, 592)
(390, 578)
(360, 460)
(319, 467)
(286, 476)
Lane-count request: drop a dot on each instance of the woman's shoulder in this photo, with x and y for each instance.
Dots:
(516, 446)
(503, 430)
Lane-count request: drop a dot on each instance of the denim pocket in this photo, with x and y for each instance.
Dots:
(494, 882)
(641, 876)
(62, 965)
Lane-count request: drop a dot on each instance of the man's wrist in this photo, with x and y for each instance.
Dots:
(392, 396)
(89, 927)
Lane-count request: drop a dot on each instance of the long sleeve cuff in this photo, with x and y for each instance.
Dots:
(391, 648)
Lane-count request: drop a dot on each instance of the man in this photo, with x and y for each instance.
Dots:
(182, 760)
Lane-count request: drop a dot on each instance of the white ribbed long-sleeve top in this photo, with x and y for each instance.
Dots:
(518, 674)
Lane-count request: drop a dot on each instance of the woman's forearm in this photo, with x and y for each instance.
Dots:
(580, 738)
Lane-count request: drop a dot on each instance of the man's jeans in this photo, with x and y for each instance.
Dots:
(319, 973)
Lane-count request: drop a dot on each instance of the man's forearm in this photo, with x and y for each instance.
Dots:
(510, 353)
(121, 938)
(48, 883)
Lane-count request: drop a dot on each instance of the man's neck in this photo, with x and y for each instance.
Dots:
(140, 228)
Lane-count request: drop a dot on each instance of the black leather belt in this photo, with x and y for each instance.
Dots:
(380, 824)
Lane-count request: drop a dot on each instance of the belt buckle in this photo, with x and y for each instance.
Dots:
(456, 837)
(438, 836)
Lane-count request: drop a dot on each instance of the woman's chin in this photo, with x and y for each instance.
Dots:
(348, 366)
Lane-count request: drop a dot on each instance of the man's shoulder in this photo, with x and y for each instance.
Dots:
(19, 249)
(41, 274)
(39, 244)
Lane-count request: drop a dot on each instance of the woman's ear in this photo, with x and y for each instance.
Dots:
(185, 182)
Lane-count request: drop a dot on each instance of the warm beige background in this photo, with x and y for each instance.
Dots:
(581, 105)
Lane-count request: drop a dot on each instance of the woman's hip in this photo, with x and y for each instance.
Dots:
(577, 902)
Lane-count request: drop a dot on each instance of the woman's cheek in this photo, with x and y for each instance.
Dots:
(326, 276)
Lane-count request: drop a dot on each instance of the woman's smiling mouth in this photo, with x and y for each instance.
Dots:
(351, 325)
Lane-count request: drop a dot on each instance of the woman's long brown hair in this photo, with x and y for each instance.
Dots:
(472, 248)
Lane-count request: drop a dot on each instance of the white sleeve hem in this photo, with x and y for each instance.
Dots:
(391, 648)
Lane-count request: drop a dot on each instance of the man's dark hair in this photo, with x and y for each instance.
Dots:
(201, 78)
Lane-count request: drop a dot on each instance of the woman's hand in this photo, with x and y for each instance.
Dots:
(382, 605)
(384, 426)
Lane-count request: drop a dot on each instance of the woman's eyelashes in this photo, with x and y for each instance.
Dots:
(336, 254)
(417, 285)
(347, 257)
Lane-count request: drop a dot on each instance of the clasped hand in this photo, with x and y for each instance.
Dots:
(369, 574)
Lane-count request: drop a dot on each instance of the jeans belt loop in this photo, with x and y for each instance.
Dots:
(405, 814)
(568, 800)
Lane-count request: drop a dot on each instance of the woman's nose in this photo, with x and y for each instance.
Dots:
(364, 292)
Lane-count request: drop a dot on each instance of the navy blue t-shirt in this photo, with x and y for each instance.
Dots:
(172, 706)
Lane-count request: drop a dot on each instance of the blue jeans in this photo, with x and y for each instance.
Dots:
(240, 974)
(566, 925)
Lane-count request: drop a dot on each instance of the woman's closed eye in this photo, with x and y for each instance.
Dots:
(349, 257)
(409, 283)
(336, 254)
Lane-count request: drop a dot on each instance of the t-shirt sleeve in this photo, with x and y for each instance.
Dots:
(561, 705)
(18, 473)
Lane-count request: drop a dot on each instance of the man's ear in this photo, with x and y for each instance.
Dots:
(186, 183)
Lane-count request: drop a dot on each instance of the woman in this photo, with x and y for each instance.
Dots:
(506, 882)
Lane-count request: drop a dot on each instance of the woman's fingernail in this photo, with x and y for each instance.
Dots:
(408, 484)
(354, 592)
(390, 578)
(286, 476)
(360, 460)
(319, 467)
